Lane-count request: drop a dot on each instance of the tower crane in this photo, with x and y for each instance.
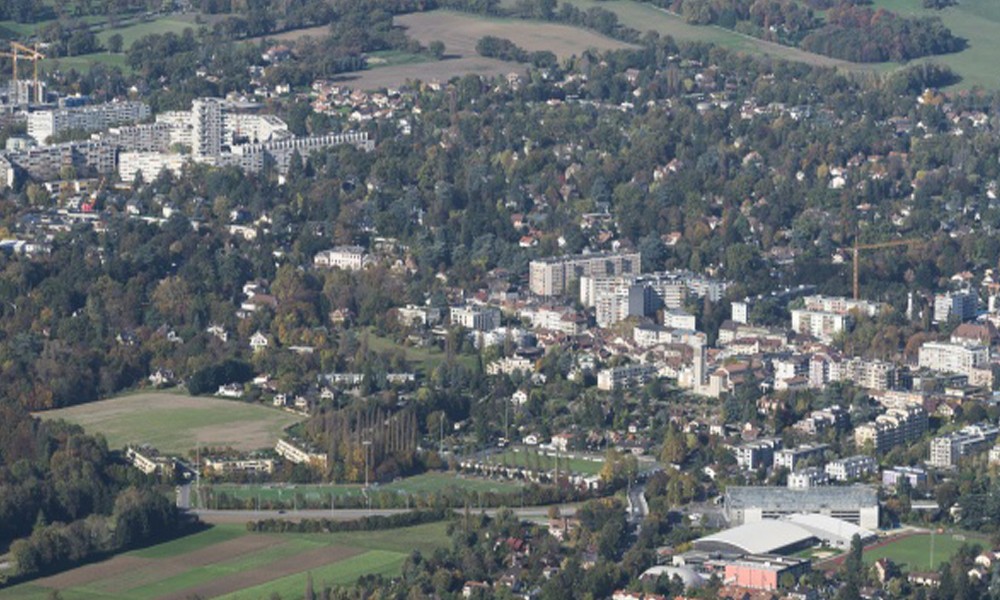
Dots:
(857, 248)
(18, 51)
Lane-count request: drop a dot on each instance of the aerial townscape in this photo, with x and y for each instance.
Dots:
(538, 299)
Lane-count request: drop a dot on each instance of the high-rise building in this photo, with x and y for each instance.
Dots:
(206, 120)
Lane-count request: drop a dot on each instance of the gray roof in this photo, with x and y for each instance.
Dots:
(762, 537)
(830, 529)
(801, 500)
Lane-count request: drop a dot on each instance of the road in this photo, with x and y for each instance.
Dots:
(346, 514)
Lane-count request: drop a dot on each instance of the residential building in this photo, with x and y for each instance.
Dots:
(807, 478)
(475, 318)
(678, 319)
(946, 357)
(510, 365)
(901, 425)
(915, 475)
(756, 454)
(225, 466)
(857, 504)
(792, 458)
(841, 305)
(995, 455)
(149, 461)
(349, 258)
(820, 325)
(868, 373)
(818, 421)
(850, 468)
(626, 376)
(961, 305)
(946, 450)
(551, 276)
(299, 453)
(45, 124)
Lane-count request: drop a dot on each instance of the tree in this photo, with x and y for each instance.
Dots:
(852, 571)
(115, 43)
(437, 49)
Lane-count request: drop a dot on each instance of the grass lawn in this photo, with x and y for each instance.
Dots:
(978, 21)
(131, 33)
(392, 58)
(227, 561)
(85, 62)
(175, 423)
(534, 458)
(423, 360)
(915, 551)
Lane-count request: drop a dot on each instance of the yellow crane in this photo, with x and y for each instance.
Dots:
(18, 51)
(857, 248)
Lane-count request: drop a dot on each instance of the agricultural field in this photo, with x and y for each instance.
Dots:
(418, 485)
(914, 551)
(174, 423)
(227, 561)
(535, 459)
(978, 21)
(460, 33)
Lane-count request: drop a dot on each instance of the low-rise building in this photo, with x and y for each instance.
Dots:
(915, 475)
(476, 318)
(852, 467)
(792, 458)
(807, 478)
(226, 466)
(756, 454)
(763, 572)
(350, 258)
(626, 376)
(299, 453)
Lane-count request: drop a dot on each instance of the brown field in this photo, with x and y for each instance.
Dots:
(461, 32)
(148, 570)
(440, 71)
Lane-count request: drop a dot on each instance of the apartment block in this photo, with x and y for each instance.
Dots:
(915, 475)
(625, 377)
(841, 305)
(792, 458)
(807, 478)
(897, 426)
(947, 450)
(551, 276)
(852, 467)
(756, 454)
(953, 358)
(960, 305)
(867, 373)
(475, 318)
(45, 124)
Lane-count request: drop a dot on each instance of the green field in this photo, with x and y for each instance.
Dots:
(978, 21)
(418, 485)
(392, 58)
(227, 561)
(132, 33)
(174, 423)
(84, 62)
(424, 360)
(534, 459)
(915, 551)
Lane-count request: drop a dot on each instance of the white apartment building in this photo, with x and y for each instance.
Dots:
(897, 426)
(349, 258)
(149, 164)
(852, 467)
(510, 365)
(625, 377)
(961, 305)
(756, 454)
(807, 478)
(791, 458)
(946, 450)
(867, 373)
(224, 466)
(678, 319)
(299, 455)
(953, 358)
(551, 276)
(47, 123)
(841, 305)
(206, 127)
(475, 318)
(819, 324)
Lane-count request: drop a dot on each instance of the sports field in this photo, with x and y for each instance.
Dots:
(534, 459)
(226, 561)
(174, 423)
(914, 551)
(418, 485)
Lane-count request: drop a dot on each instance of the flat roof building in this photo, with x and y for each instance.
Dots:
(857, 504)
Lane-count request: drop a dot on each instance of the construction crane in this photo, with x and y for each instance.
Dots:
(19, 51)
(857, 248)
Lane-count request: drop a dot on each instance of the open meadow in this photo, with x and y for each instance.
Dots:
(175, 423)
(227, 561)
